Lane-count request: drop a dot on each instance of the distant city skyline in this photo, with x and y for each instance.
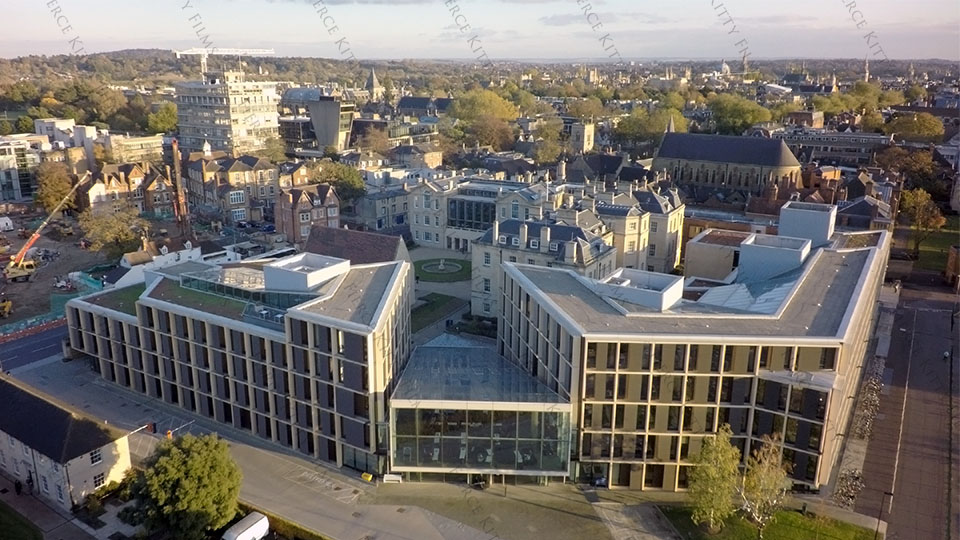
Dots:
(529, 30)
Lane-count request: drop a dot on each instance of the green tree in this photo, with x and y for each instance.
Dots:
(872, 122)
(590, 107)
(6, 128)
(164, 120)
(673, 100)
(24, 124)
(734, 114)
(476, 103)
(922, 127)
(489, 130)
(115, 232)
(763, 486)
(102, 155)
(891, 97)
(924, 215)
(22, 92)
(189, 485)
(273, 150)
(915, 93)
(713, 481)
(780, 111)
(53, 184)
(642, 126)
(345, 179)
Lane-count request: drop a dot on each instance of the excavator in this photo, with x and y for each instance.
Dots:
(22, 269)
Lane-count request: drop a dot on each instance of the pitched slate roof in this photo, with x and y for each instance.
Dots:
(413, 102)
(358, 247)
(561, 233)
(47, 427)
(317, 193)
(727, 149)
(654, 203)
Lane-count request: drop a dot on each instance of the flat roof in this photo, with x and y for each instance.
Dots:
(123, 300)
(168, 290)
(358, 297)
(457, 369)
(723, 238)
(812, 301)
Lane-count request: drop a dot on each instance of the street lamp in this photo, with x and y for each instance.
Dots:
(883, 497)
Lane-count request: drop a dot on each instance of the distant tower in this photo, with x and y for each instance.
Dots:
(724, 68)
(374, 87)
(913, 73)
(746, 65)
(866, 70)
(833, 80)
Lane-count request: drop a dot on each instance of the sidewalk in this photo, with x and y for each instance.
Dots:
(53, 525)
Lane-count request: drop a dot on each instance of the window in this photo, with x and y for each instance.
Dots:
(486, 284)
(631, 246)
(531, 262)
(486, 258)
(237, 197)
(632, 226)
(513, 258)
(652, 251)
(95, 457)
(416, 234)
(515, 241)
(534, 243)
(26, 449)
(304, 217)
(416, 219)
(3, 459)
(332, 211)
(59, 493)
(653, 226)
(486, 307)
(44, 485)
(238, 214)
(98, 481)
(553, 246)
(502, 239)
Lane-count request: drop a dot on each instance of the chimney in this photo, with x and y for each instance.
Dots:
(523, 235)
(544, 238)
(561, 170)
(496, 232)
(570, 253)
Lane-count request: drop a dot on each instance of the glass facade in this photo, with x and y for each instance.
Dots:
(471, 214)
(494, 441)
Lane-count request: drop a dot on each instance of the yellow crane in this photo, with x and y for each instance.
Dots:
(20, 268)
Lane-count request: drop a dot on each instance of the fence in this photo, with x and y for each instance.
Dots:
(53, 318)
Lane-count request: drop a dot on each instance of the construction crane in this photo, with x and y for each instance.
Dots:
(20, 268)
(204, 53)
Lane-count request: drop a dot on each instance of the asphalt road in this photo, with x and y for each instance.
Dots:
(21, 352)
(909, 452)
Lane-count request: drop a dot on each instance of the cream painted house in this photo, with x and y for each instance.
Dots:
(60, 455)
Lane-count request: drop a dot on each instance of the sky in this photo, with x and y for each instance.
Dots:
(465, 29)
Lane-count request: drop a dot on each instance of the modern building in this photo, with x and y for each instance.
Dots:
(852, 149)
(299, 209)
(300, 351)
(713, 254)
(538, 244)
(747, 164)
(18, 162)
(124, 148)
(650, 367)
(330, 117)
(60, 455)
(227, 111)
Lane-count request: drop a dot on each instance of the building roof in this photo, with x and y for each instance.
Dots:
(317, 194)
(727, 149)
(413, 102)
(653, 202)
(589, 245)
(48, 427)
(358, 297)
(812, 301)
(359, 247)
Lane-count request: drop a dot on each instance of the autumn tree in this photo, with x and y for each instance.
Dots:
(274, 150)
(189, 485)
(924, 215)
(53, 184)
(734, 114)
(477, 103)
(713, 481)
(116, 232)
(915, 93)
(872, 122)
(642, 126)
(375, 140)
(763, 487)
(922, 127)
(6, 128)
(164, 120)
(488, 130)
(24, 124)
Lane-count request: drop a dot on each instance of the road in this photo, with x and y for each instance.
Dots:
(19, 353)
(909, 453)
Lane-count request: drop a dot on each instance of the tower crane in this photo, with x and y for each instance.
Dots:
(204, 53)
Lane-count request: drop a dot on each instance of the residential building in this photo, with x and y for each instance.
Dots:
(812, 119)
(414, 155)
(712, 162)
(299, 209)
(384, 209)
(330, 116)
(666, 211)
(226, 111)
(535, 243)
(122, 185)
(301, 351)
(630, 225)
(64, 455)
(649, 369)
(240, 189)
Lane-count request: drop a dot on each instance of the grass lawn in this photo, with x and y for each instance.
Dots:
(13, 525)
(933, 251)
(460, 275)
(437, 307)
(788, 525)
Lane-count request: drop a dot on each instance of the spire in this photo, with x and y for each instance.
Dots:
(866, 69)
(671, 127)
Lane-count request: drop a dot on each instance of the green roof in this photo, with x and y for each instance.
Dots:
(123, 300)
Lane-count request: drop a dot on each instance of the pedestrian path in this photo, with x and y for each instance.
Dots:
(53, 525)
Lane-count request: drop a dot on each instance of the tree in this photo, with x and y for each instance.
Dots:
(641, 126)
(872, 122)
(53, 184)
(345, 179)
(673, 100)
(734, 114)
(376, 140)
(763, 486)
(24, 124)
(102, 155)
(6, 127)
(189, 485)
(164, 120)
(915, 93)
(490, 130)
(585, 108)
(713, 481)
(924, 215)
(476, 103)
(779, 111)
(116, 232)
(922, 127)
(273, 150)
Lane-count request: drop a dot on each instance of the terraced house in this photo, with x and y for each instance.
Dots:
(301, 351)
(651, 364)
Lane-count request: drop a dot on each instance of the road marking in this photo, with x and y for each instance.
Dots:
(903, 414)
(321, 483)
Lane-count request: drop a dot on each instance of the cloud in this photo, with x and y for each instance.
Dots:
(607, 18)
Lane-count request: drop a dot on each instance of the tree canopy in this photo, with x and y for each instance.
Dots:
(763, 487)
(376, 140)
(713, 481)
(116, 232)
(921, 127)
(590, 107)
(189, 485)
(642, 126)
(734, 114)
(273, 150)
(164, 120)
(345, 179)
(53, 184)
(923, 214)
(476, 103)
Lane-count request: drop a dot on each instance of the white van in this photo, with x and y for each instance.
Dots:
(6, 224)
(253, 527)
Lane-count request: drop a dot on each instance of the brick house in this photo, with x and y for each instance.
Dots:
(298, 209)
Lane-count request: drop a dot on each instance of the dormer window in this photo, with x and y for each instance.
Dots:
(535, 244)
(516, 241)
(554, 246)
(502, 239)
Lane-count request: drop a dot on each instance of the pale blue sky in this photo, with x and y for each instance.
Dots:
(378, 29)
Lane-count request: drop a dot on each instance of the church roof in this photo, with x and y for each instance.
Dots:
(727, 149)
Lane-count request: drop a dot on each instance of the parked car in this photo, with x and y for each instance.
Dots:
(269, 228)
(242, 224)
